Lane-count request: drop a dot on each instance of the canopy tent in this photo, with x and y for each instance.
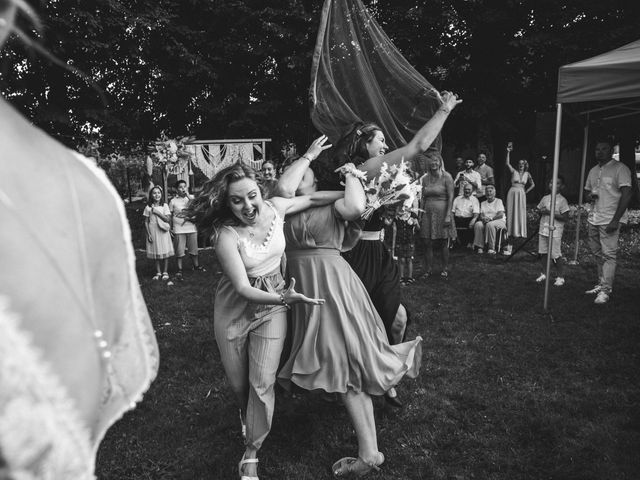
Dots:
(604, 87)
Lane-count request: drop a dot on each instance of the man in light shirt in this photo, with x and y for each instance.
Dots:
(468, 177)
(486, 175)
(608, 188)
(465, 209)
(185, 232)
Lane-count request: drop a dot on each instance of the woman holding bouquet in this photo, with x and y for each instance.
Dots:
(365, 146)
(341, 348)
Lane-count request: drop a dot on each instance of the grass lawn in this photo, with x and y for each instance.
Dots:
(506, 391)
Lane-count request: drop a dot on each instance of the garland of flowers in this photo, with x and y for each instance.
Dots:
(170, 154)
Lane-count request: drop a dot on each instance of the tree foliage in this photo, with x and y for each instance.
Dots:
(232, 68)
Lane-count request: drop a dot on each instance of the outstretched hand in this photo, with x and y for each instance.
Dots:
(449, 99)
(316, 147)
(292, 297)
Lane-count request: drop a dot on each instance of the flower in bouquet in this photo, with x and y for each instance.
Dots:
(167, 152)
(395, 190)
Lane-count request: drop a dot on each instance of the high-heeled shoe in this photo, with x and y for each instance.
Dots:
(349, 467)
(243, 462)
(391, 397)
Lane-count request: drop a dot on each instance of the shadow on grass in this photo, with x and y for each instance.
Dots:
(507, 390)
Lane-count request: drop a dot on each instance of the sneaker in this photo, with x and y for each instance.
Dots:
(594, 290)
(559, 281)
(541, 278)
(602, 297)
(480, 250)
(491, 252)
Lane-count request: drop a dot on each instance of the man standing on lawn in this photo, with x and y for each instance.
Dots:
(486, 176)
(609, 190)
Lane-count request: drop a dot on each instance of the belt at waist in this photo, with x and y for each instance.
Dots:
(369, 235)
(312, 252)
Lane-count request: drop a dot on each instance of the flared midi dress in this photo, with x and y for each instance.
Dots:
(517, 205)
(342, 344)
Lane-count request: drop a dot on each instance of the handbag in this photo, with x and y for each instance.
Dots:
(163, 225)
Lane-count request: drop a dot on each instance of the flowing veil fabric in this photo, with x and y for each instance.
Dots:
(358, 75)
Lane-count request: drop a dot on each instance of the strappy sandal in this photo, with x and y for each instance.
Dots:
(242, 463)
(350, 467)
(410, 280)
(165, 276)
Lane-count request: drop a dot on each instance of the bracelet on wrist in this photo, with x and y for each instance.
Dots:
(307, 157)
(444, 109)
(284, 301)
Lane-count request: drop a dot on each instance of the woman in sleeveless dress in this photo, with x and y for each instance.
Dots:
(342, 347)
(435, 224)
(365, 146)
(521, 184)
(251, 301)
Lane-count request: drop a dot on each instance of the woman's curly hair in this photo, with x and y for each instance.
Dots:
(210, 210)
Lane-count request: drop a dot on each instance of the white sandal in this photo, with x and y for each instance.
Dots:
(242, 463)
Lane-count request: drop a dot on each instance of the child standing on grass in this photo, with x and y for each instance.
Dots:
(405, 249)
(159, 247)
(561, 216)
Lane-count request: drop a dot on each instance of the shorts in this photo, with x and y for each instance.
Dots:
(543, 246)
(188, 240)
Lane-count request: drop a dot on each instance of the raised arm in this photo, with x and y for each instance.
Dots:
(508, 161)
(419, 143)
(292, 176)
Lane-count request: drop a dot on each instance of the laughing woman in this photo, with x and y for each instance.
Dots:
(251, 300)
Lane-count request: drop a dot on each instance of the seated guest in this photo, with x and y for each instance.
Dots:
(465, 209)
(492, 218)
(468, 177)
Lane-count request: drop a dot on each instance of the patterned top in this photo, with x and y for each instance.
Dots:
(264, 258)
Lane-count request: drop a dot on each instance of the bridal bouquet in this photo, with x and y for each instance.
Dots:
(395, 190)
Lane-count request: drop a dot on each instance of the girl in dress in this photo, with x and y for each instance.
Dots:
(251, 301)
(159, 246)
(342, 347)
(436, 225)
(517, 198)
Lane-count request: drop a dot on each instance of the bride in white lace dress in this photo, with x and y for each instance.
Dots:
(77, 348)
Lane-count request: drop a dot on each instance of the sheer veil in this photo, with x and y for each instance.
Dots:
(358, 75)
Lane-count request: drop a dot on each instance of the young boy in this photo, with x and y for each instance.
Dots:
(561, 216)
(185, 232)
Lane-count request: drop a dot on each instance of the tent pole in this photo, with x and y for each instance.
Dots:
(552, 208)
(583, 167)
